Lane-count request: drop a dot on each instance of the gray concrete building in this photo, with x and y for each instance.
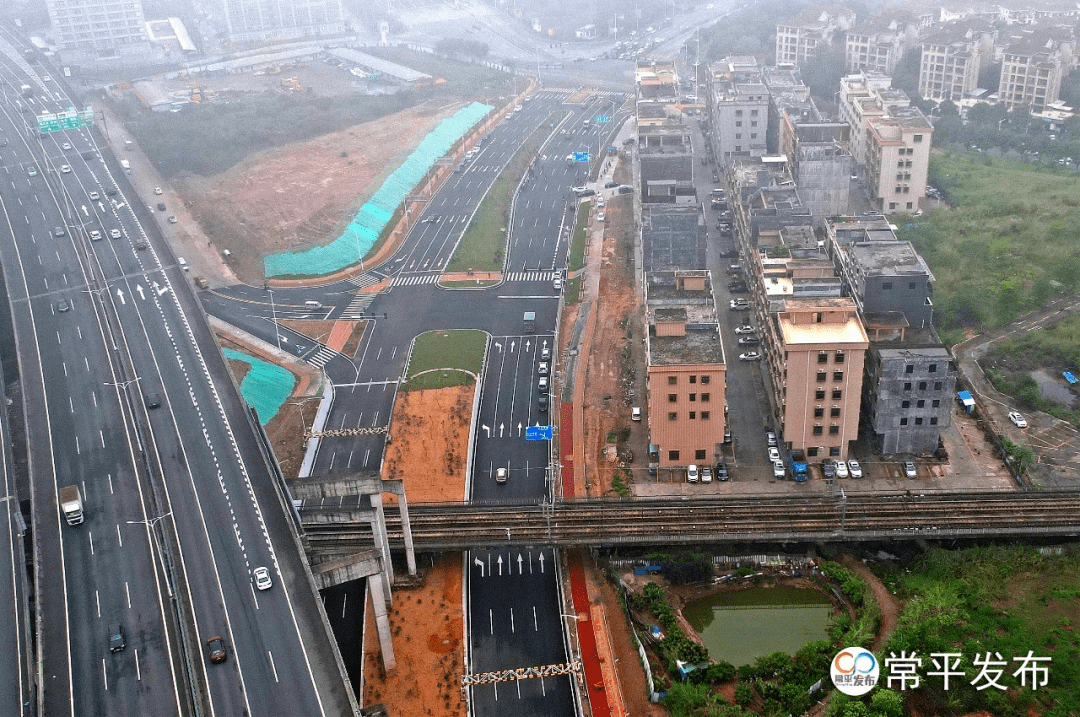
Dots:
(673, 237)
(738, 105)
(260, 20)
(764, 202)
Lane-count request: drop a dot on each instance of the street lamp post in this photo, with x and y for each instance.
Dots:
(273, 317)
(150, 525)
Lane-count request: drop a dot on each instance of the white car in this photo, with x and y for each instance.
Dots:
(841, 469)
(778, 469)
(774, 454)
(500, 475)
(600, 217)
(64, 168)
(600, 200)
(557, 282)
(262, 578)
(691, 473)
(46, 78)
(635, 413)
(1018, 420)
(157, 190)
(94, 196)
(854, 469)
(750, 356)
(745, 329)
(65, 146)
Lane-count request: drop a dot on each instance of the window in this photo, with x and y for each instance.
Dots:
(811, 452)
(903, 421)
(817, 317)
(937, 385)
(918, 138)
(738, 148)
(836, 394)
(910, 368)
(834, 412)
(738, 113)
(693, 415)
(837, 375)
(907, 386)
(673, 455)
(693, 396)
(922, 385)
(753, 113)
(704, 415)
(918, 421)
(819, 412)
(738, 124)
(704, 398)
(834, 430)
(935, 404)
(753, 135)
(819, 394)
(672, 380)
(738, 135)
(821, 376)
(886, 285)
(905, 404)
(839, 357)
(822, 357)
(933, 367)
(897, 189)
(892, 205)
(693, 378)
(911, 285)
(920, 404)
(933, 421)
(672, 397)
(754, 123)
(673, 416)
(818, 430)
(699, 455)
(704, 379)
(834, 450)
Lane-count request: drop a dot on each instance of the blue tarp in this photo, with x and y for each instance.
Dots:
(265, 386)
(364, 229)
(1068, 377)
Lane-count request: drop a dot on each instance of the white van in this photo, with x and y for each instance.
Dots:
(182, 263)
(312, 304)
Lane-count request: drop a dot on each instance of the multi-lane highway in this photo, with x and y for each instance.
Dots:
(128, 398)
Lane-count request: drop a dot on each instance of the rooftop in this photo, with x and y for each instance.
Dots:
(889, 258)
(848, 332)
(664, 288)
(701, 344)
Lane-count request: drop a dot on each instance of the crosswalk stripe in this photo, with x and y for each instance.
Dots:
(321, 357)
(363, 280)
(530, 276)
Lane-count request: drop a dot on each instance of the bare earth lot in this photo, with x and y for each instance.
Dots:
(304, 194)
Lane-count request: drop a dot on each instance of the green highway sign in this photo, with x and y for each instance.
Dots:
(70, 118)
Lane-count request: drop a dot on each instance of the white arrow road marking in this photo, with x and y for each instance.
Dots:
(512, 344)
(541, 562)
(499, 561)
(138, 288)
(519, 429)
(520, 560)
(479, 562)
(487, 429)
(528, 343)
(502, 426)
(120, 295)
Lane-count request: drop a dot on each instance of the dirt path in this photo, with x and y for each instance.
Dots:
(890, 607)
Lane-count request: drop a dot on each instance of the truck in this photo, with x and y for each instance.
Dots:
(27, 91)
(71, 504)
(530, 322)
(798, 465)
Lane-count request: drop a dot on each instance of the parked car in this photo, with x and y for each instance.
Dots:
(737, 287)
(774, 453)
(749, 341)
(600, 216)
(770, 438)
(625, 189)
(841, 469)
(172, 219)
(750, 356)
(542, 383)
(706, 474)
(1018, 420)
(721, 472)
(161, 206)
(500, 475)
(778, 469)
(635, 413)
(542, 368)
(610, 185)
(909, 470)
(745, 329)
(157, 190)
(691, 473)
(739, 305)
(828, 468)
(854, 469)
(542, 403)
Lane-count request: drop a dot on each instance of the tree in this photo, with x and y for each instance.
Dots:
(720, 672)
(685, 699)
(744, 693)
(888, 702)
(856, 709)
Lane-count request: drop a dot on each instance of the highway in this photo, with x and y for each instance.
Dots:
(128, 397)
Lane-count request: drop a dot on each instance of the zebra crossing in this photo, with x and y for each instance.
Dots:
(357, 307)
(531, 275)
(363, 281)
(415, 280)
(321, 357)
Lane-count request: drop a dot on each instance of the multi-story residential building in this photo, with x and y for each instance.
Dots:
(764, 202)
(878, 44)
(1032, 69)
(803, 36)
(98, 27)
(898, 159)
(951, 59)
(673, 236)
(864, 95)
(259, 20)
(687, 372)
(738, 103)
(657, 81)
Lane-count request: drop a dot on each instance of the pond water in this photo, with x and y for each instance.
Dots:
(1053, 388)
(739, 627)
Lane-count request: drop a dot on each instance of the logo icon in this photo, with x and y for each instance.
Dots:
(854, 671)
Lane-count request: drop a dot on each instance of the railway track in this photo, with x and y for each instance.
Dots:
(331, 530)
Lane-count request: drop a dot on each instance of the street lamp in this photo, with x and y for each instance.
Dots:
(160, 554)
(1000, 121)
(273, 317)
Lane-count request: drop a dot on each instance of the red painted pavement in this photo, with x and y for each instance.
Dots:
(590, 659)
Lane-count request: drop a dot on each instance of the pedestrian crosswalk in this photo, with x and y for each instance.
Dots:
(415, 280)
(530, 276)
(364, 280)
(321, 357)
(357, 307)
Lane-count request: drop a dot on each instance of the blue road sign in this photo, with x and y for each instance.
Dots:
(538, 433)
(602, 119)
(581, 156)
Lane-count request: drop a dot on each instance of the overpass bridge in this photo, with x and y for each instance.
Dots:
(335, 527)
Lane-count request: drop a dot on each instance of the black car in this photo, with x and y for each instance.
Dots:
(586, 192)
(610, 185)
(828, 468)
(161, 206)
(738, 288)
(111, 191)
(625, 189)
(116, 639)
(721, 472)
(542, 404)
(153, 400)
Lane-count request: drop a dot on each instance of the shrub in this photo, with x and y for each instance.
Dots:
(744, 693)
(720, 672)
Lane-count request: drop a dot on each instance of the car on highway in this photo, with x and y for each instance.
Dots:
(172, 219)
(95, 235)
(31, 170)
(909, 470)
(749, 341)
(721, 472)
(65, 146)
(500, 475)
(152, 400)
(778, 469)
(140, 245)
(841, 469)
(65, 169)
(542, 368)
(46, 78)
(427, 220)
(770, 438)
(542, 383)
(1018, 420)
(115, 234)
(545, 354)
(750, 356)
(774, 453)
(745, 329)
(828, 468)
(556, 283)
(691, 473)
(157, 190)
(161, 206)
(94, 196)
(854, 469)
(59, 232)
(610, 185)
(215, 649)
(63, 306)
(116, 638)
(111, 191)
(600, 217)
(262, 578)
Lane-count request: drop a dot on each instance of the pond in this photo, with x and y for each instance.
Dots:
(739, 627)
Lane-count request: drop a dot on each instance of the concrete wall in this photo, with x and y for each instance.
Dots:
(894, 395)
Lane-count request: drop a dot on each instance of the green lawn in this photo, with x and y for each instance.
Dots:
(577, 246)
(1008, 243)
(459, 349)
(483, 245)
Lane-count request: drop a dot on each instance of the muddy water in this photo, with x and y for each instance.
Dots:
(739, 627)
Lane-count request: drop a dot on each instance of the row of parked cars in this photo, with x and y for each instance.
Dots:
(704, 474)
